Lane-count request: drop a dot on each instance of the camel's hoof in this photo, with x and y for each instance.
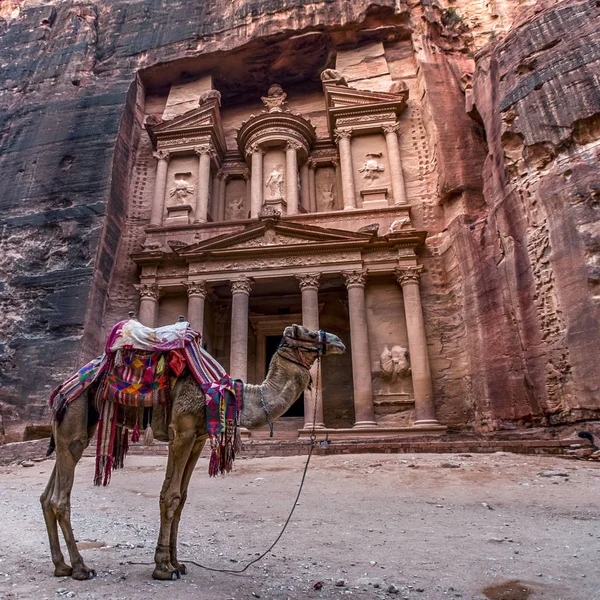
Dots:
(63, 571)
(83, 573)
(165, 574)
(182, 569)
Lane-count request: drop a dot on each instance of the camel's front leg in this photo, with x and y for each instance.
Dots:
(185, 481)
(180, 448)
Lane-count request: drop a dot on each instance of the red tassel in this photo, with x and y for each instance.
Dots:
(148, 375)
(213, 464)
(135, 434)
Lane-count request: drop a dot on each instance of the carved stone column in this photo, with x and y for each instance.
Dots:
(256, 195)
(291, 177)
(214, 195)
(309, 286)
(197, 292)
(148, 312)
(304, 187)
(201, 211)
(220, 212)
(238, 364)
(160, 187)
(396, 174)
(408, 278)
(312, 186)
(361, 358)
(342, 137)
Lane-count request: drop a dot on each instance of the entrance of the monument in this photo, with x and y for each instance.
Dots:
(271, 343)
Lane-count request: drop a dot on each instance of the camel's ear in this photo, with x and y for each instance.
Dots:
(288, 332)
(295, 331)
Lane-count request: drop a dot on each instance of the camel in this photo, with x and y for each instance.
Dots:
(288, 376)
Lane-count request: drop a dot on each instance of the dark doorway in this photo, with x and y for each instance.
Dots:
(272, 343)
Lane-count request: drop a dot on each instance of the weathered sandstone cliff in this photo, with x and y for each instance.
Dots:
(502, 159)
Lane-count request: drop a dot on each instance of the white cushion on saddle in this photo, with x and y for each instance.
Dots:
(139, 337)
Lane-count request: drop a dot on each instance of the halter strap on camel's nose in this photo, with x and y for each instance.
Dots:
(321, 343)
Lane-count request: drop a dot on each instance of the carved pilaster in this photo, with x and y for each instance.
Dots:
(204, 149)
(293, 145)
(310, 280)
(355, 278)
(255, 149)
(241, 286)
(408, 275)
(196, 288)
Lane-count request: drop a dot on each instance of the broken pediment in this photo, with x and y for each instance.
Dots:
(361, 109)
(197, 126)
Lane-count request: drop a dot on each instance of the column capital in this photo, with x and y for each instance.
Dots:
(204, 149)
(243, 285)
(148, 291)
(162, 154)
(293, 145)
(355, 278)
(196, 288)
(246, 175)
(308, 281)
(312, 163)
(342, 134)
(407, 275)
(391, 128)
(222, 175)
(255, 149)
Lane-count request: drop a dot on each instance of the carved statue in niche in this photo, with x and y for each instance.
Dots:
(326, 199)
(394, 363)
(182, 191)
(236, 209)
(371, 168)
(275, 183)
(275, 98)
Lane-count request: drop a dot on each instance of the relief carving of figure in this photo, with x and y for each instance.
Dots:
(371, 168)
(181, 191)
(326, 199)
(394, 363)
(275, 183)
(236, 209)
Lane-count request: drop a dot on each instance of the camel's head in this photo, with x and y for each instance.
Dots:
(321, 342)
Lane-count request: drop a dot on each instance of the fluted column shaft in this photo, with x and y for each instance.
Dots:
(309, 286)
(238, 364)
(148, 313)
(201, 212)
(160, 187)
(196, 291)
(348, 193)
(221, 201)
(361, 359)
(396, 173)
(291, 178)
(408, 278)
(304, 187)
(256, 183)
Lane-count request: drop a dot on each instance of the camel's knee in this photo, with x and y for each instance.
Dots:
(169, 502)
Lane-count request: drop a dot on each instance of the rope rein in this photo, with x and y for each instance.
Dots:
(313, 436)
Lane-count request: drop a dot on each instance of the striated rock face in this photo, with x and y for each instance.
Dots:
(507, 187)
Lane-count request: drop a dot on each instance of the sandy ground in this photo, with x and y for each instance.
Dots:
(389, 526)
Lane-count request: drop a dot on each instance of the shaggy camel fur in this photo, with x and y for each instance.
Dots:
(287, 378)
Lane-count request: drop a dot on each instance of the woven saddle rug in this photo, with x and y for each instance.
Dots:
(136, 370)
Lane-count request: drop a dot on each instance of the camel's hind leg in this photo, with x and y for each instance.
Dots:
(72, 437)
(185, 481)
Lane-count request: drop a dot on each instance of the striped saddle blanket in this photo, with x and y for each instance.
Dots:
(136, 370)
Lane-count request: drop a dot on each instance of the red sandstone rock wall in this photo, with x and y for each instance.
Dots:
(512, 255)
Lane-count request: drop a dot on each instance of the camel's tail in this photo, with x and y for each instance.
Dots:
(51, 446)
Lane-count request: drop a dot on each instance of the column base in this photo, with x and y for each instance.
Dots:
(363, 424)
(426, 423)
(401, 203)
(317, 426)
(349, 207)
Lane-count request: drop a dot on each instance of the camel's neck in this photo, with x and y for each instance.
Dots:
(284, 383)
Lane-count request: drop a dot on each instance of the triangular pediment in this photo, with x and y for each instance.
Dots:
(273, 235)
